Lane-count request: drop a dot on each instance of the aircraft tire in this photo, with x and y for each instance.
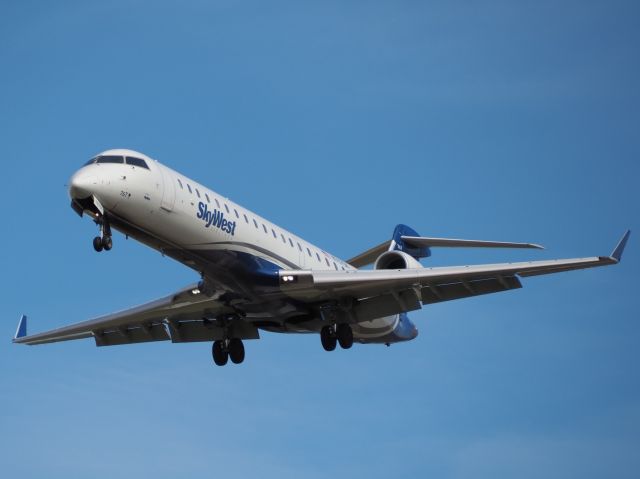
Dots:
(107, 243)
(97, 244)
(345, 335)
(328, 338)
(220, 355)
(236, 350)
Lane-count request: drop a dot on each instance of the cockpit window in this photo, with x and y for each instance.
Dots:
(90, 162)
(110, 159)
(131, 160)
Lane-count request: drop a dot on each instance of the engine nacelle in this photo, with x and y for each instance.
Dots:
(396, 260)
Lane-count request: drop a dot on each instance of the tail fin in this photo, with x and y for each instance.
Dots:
(399, 242)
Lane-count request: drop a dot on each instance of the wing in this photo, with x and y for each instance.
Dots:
(180, 317)
(374, 293)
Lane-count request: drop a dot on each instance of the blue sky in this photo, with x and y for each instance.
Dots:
(513, 121)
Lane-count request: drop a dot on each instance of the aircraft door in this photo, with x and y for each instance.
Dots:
(168, 189)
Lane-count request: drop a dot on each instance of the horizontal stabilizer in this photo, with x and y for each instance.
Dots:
(21, 332)
(422, 242)
(372, 254)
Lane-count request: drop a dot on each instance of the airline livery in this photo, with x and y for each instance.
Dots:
(256, 276)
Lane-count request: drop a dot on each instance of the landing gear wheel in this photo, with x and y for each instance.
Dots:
(345, 335)
(97, 244)
(107, 243)
(328, 338)
(236, 351)
(219, 353)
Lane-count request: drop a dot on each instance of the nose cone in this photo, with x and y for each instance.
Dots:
(82, 185)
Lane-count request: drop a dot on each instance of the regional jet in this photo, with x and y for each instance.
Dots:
(255, 276)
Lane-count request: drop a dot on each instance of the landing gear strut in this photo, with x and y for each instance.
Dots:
(104, 241)
(227, 349)
(330, 336)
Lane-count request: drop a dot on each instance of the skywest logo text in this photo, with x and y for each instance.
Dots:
(215, 218)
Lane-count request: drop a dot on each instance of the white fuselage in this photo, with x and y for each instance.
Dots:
(204, 230)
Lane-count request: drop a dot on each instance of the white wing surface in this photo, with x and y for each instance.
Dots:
(368, 293)
(180, 317)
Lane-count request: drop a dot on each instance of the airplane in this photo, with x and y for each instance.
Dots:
(256, 276)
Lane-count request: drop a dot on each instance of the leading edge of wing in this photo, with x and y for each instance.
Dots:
(371, 282)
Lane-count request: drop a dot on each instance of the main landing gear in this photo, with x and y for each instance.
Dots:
(104, 241)
(332, 335)
(227, 349)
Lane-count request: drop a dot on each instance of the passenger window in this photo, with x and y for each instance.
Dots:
(246, 220)
(309, 251)
(283, 240)
(137, 162)
(217, 203)
(299, 247)
(318, 256)
(274, 233)
(327, 261)
(335, 266)
(197, 193)
(226, 207)
(236, 212)
(189, 188)
(180, 183)
(206, 195)
(255, 222)
(291, 242)
(264, 228)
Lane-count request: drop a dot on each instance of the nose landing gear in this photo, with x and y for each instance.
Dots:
(104, 241)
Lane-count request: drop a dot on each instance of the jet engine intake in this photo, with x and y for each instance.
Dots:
(396, 260)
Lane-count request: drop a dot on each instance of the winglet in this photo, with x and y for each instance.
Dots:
(21, 332)
(619, 249)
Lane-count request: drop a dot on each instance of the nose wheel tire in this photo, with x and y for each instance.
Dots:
(97, 244)
(100, 244)
(345, 335)
(104, 241)
(220, 353)
(328, 338)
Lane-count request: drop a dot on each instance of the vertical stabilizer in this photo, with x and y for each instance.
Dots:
(398, 244)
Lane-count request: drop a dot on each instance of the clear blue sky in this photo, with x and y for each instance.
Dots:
(515, 121)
